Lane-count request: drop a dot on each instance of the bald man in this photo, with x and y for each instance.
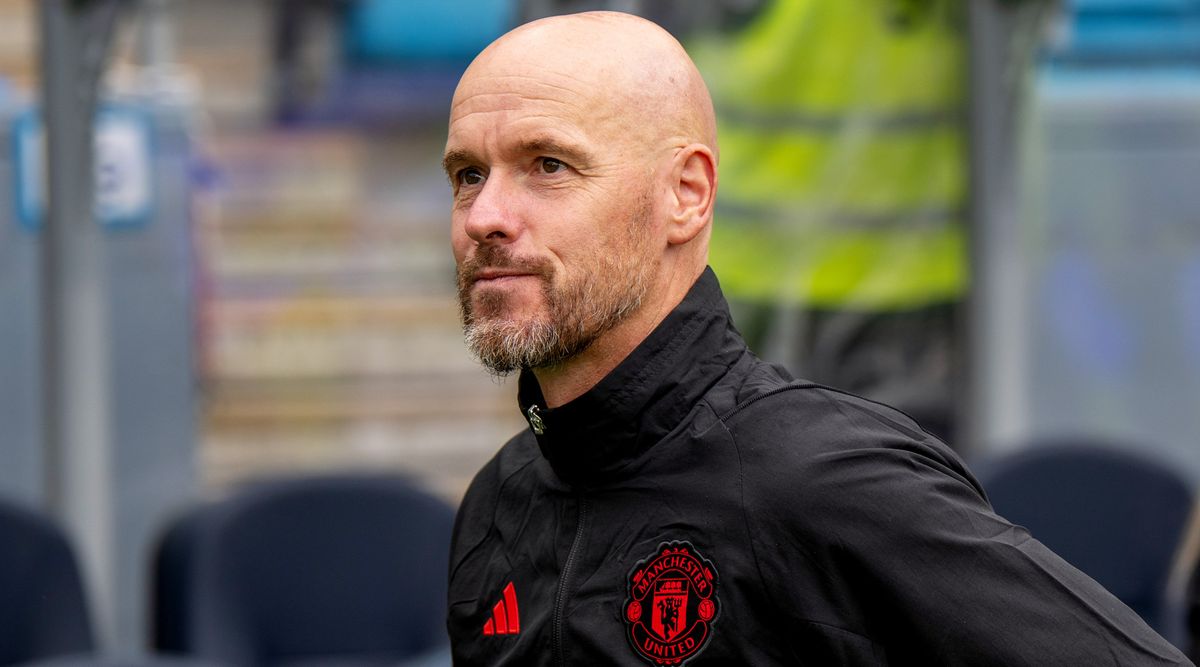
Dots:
(674, 499)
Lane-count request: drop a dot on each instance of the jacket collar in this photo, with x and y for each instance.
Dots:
(592, 438)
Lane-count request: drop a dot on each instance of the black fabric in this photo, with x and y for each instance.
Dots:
(342, 569)
(42, 606)
(1108, 510)
(836, 530)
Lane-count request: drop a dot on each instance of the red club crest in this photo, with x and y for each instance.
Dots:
(672, 604)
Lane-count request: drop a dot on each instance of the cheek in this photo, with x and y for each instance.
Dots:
(460, 243)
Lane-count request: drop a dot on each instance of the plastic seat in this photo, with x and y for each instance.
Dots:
(1115, 514)
(96, 661)
(43, 611)
(345, 570)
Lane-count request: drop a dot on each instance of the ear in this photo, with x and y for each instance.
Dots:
(693, 189)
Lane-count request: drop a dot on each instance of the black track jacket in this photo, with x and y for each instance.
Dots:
(699, 507)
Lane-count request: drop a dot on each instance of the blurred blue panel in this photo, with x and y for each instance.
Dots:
(1138, 36)
(391, 31)
(1136, 32)
(1134, 6)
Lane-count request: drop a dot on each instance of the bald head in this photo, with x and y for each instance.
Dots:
(633, 75)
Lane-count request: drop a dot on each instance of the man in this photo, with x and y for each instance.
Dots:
(675, 500)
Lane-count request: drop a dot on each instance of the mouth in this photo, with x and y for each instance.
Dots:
(497, 268)
(499, 276)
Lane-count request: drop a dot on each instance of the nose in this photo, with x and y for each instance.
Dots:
(493, 216)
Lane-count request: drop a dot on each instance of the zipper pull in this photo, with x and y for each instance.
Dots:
(535, 420)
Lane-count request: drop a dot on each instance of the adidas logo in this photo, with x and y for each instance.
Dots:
(505, 620)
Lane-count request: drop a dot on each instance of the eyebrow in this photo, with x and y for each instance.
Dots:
(453, 158)
(575, 155)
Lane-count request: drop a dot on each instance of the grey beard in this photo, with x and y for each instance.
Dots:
(576, 319)
(505, 346)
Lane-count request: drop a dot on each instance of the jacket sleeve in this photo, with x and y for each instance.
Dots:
(906, 546)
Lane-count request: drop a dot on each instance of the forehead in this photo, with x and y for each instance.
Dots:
(504, 105)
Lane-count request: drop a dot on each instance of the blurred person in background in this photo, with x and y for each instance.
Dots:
(675, 499)
(840, 235)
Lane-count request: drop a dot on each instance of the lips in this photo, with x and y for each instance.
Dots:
(499, 274)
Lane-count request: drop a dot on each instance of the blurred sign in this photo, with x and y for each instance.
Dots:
(124, 196)
(399, 31)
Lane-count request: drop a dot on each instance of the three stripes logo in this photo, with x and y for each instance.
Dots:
(506, 619)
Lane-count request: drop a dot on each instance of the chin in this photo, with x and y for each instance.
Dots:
(500, 304)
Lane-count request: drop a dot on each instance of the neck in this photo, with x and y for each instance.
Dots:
(569, 380)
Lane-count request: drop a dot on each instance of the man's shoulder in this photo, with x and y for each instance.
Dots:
(838, 468)
(809, 431)
(815, 409)
(754, 390)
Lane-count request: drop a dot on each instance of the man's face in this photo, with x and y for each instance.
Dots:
(552, 217)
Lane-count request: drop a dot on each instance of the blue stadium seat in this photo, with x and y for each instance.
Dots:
(1116, 515)
(95, 661)
(339, 570)
(43, 611)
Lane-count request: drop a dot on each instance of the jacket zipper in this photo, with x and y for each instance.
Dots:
(564, 581)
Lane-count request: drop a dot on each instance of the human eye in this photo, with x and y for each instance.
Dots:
(549, 165)
(468, 177)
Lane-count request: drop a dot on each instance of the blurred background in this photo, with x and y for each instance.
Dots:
(224, 243)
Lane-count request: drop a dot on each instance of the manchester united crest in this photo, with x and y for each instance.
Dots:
(672, 604)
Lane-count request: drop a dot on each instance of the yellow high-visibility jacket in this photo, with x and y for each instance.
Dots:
(843, 173)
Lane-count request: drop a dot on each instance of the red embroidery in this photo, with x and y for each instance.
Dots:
(506, 619)
(672, 604)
